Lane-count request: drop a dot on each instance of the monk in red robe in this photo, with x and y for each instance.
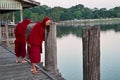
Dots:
(20, 42)
(35, 39)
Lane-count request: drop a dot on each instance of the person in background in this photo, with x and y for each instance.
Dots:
(20, 42)
(34, 40)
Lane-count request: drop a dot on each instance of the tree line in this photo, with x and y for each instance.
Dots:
(72, 13)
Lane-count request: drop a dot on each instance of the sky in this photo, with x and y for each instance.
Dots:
(87, 3)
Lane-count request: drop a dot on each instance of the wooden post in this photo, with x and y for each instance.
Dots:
(21, 15)
(13, 18)
(0, 34)
(6, 29)
(91, 53)
(0, 29)
(51, 48)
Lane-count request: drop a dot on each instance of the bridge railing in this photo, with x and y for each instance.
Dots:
(11, 36)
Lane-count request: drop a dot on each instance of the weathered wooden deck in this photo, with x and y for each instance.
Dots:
(9, 70)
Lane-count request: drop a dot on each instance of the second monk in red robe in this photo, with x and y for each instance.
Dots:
(20, 42)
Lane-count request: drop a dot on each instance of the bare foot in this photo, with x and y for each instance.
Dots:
(33, 70)
(23, 61)
(17, 61)
(36, 72)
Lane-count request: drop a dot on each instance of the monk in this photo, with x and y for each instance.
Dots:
(20, 42)
(35, 39)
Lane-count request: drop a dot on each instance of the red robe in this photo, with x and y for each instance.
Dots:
(35, 39)
(20, 35)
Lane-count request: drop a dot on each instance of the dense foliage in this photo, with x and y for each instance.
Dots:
(72, 13)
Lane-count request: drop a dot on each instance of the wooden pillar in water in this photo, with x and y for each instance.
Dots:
(6, 29)
(91, 53)
(51, 48)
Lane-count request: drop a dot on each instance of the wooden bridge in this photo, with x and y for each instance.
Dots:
(10, 70)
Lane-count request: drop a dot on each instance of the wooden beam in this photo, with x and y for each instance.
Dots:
(13, 18)
(51, 48)
(0, 29)
(91, 53)
(21, 15)
(6, 29)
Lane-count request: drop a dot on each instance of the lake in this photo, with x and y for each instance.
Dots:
(69, 52)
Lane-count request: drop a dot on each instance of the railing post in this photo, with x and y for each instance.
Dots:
(91, 53)
(51, 48)
(21, 15)
(13, 18)
(6, 29)
(0, 29)
(0, 35)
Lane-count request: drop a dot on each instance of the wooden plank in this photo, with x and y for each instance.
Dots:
(9, 70)
(91, 53)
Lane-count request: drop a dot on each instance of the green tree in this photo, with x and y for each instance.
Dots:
(56, 13)
(74, 12)
(34, 17)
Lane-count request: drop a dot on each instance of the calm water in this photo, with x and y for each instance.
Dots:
(69, 48)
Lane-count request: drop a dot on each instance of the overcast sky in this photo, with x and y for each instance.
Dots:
(87, 3)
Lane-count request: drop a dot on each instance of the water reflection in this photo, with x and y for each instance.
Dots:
(69, 45)
(110, 43)
(64, 31)
(70, 57)
(77, 31)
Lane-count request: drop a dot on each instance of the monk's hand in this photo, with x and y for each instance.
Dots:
(29, 45)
